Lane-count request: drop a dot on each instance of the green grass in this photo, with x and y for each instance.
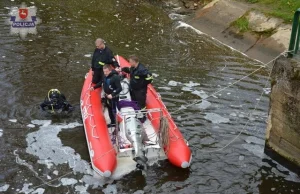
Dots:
(242, 24)
(283, 9)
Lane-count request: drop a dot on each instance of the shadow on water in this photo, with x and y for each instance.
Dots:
(281, 160)
(273, 177)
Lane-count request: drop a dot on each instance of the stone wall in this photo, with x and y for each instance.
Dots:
(283, 131)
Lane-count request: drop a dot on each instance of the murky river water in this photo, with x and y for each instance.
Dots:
(36, 149)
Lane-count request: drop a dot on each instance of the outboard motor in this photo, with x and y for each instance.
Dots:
(134, 135)
(133, 127)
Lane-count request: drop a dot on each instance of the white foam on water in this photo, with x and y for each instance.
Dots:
(139, 192)
(110, 189)
(87, 55)
(293, 177)
(165, 88)
(185, 25)
(68, 181)
(203, 105)
(241, 157)
(200, 93)
(1, 132)
(4, 188)
(241, 115)
(173, 83)
(95, 180)
(59, 52)
(47, 146)
(48, 163)
(182, 107)
(233, 114)
(26, 189)
(191, 84)
(187, 89)
(43, 123)
(31, 125)
(215, 118)
(30, 167)
(257, 150)
(267, 90)
(13, 120)
(255, 140)
(155, 74)
(39, 191)
(81, 189)
(125, 166)
(176, 16)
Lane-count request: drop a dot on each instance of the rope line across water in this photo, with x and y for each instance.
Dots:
(256, 106)
(211, 95)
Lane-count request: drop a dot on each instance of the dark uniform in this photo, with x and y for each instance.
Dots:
(140, 77)
(100, 58)
(55, 102)
(112, 85)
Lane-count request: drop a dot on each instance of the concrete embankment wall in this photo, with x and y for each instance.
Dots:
(283, 131)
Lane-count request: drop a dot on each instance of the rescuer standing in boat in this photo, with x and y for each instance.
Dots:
(140, 77)
(102, 55)
(112, 88)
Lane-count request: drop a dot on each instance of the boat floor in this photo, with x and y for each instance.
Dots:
(153, 151)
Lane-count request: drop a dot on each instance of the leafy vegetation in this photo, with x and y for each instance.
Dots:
(242, 24)
(283, 9)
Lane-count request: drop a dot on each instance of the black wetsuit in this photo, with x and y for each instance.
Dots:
(55, 105)
(100, 58)
(112, 85)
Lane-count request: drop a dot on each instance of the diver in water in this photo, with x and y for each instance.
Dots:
(55, 102)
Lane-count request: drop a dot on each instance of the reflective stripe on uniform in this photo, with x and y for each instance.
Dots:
(101, 63)
(149, 78)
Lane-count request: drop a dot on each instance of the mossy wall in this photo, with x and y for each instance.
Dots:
(283, 131)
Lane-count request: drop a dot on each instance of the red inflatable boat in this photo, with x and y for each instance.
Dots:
(107, 147)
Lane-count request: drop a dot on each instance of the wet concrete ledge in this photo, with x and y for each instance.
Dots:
(216, 18)
(283, 131)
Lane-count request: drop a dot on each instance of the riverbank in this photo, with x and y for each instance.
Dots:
(240, 25)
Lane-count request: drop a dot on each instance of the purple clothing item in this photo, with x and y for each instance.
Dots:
(125, 103)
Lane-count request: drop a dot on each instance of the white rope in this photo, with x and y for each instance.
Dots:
(209, 151)
(255, 108)
(232, 84)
